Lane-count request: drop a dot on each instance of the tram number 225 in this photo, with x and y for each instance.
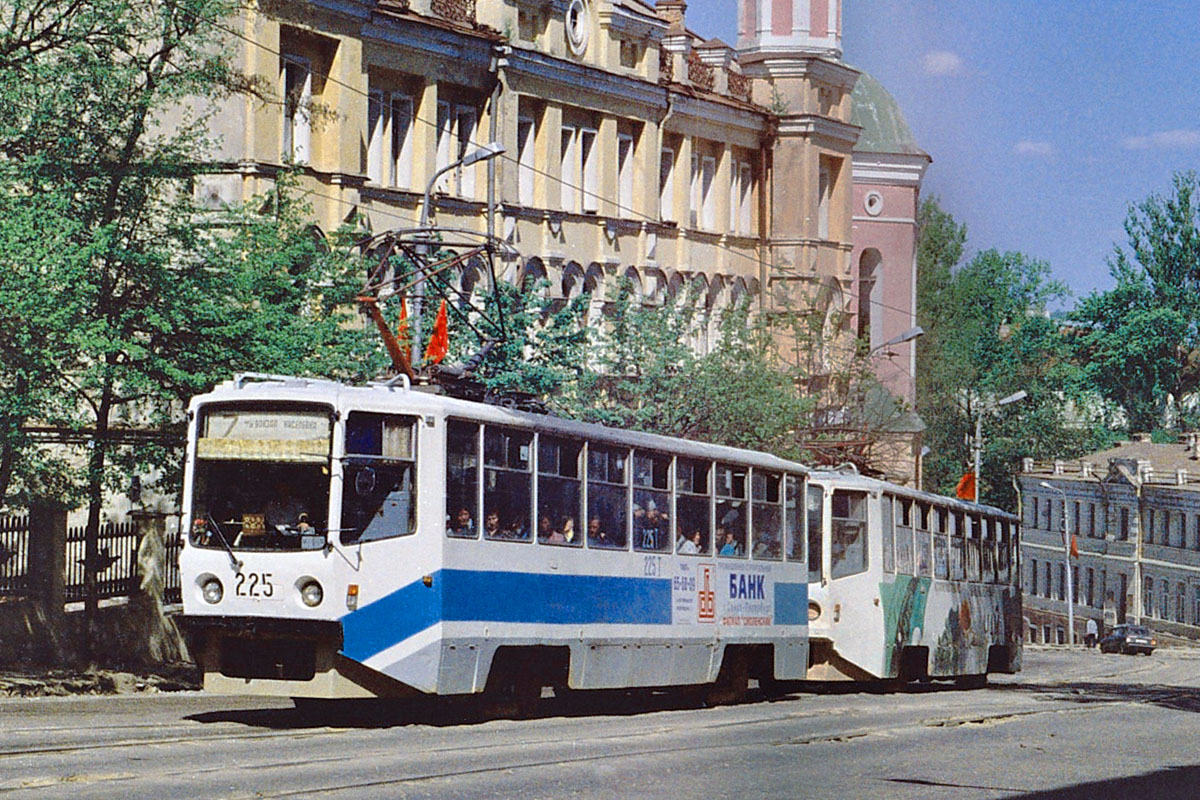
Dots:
(254, 584)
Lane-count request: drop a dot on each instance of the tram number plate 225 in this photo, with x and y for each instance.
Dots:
(255, 585)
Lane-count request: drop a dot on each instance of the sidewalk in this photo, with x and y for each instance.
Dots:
(59, 682)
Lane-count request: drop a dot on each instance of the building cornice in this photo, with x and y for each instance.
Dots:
(785, 64)
(816, 125)
(469, 51)
(630, 24)
(585, 84)
(699, 109)
(890, 169)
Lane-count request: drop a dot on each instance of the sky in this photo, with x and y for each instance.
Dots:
(1045, 119)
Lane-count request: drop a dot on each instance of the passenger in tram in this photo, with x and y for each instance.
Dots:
(690, 545)
(516, 528)
(568, 530)
(546, 530)
(462, 524)
(491, 525)
(597, 536)
(766, 545)
(730, 545)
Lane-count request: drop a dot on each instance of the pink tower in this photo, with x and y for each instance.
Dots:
(783, 27)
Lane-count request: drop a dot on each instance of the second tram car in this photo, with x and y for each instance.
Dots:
(364, 541)
(907, 585)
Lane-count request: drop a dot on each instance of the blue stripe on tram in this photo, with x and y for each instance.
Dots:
(515, 597)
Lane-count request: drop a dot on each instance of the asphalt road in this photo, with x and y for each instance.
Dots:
(1072, 725)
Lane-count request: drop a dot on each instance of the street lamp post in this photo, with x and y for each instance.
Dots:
(485, 153)
(1066, 534)
(1012, 398)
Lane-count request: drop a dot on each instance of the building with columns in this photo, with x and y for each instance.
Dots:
(635, 148)
(1134, 513)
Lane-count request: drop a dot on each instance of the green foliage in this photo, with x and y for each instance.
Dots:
(1139, 342)
(987, 336)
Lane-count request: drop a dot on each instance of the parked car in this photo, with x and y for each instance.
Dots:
(1129, 639)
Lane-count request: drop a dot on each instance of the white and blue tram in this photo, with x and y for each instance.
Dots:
(907, 585)
(365, 541)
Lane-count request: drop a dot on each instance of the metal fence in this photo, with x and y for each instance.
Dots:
(14, 556)
(172, 592)
(116, 562)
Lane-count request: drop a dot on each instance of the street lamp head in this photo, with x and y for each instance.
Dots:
(488, 151)
(907, 336)
(1012, 398)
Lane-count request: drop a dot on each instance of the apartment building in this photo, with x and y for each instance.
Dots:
(1134, 513)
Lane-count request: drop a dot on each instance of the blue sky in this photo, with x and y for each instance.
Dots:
(1045, 120)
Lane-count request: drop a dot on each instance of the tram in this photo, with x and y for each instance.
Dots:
(378, 541)
(907, 585)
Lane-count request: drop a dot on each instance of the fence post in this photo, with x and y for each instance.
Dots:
(47, 560)
(163, 642)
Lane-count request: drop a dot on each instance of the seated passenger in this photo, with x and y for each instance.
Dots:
(766, 546)
(730, 545)
(491, 525)
(461, 524)
(568, 530)
(517, 529)
(597, 536)
(690, 546)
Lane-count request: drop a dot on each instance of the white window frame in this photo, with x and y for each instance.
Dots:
(377, 124)
(625, 175)
(526, 140)
(708, 198)
(746, 199)
(666, 184)
(569, 167)
(824, 189)
(296, 145)
(463, 135)
(442, 146)
(400, 138)
(694, 193)
(589, 170)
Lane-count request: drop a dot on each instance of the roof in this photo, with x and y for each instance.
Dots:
(1152, 462)
(878, 114)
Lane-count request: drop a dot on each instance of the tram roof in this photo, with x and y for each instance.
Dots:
(383, 397)
(855, 481)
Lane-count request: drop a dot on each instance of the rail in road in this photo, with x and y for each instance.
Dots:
(1037, 732)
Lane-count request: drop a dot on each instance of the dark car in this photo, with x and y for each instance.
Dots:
(1130, 639)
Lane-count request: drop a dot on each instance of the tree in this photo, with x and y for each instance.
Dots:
(130, 298)
(1139, 342)
(988, 336)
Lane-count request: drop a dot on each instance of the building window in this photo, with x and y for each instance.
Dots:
(526, 136)
(1033, 577)
(1196, 605)
(824, 190)
(1148, 596)
(1075, 527)
(666, 185)
(389, 142)
(1091, 589)
(868, 269)
(1124, 530)
(625, 175)
(465, 118)
(1031, 520)
(589, 168)
(1180, 602)
(580, 170)
(1049, 589)
(1091, 519)
(1062, 582)
(1164, 599)
(296, 78)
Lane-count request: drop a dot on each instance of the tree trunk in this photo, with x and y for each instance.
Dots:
(95, 495)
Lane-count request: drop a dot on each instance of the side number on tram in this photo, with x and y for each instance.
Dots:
(254, 584)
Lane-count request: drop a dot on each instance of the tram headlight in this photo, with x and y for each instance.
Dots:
(814, 611)
(212, 590)
(312, 594)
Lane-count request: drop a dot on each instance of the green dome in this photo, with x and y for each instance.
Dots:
(878, 114)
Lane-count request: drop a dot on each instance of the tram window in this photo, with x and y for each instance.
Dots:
(848, 548)
(607, 496)
(693, 507)
(987, 548)
(815, 514)
(767, 534)
(379, 499)
(794, 519)
(507, 485)
(731, 511)
(1003, 564)
(941, 558)
(921, 542)
(560, 492)
(462, 479)
(904, 539)
(651, 502)
(973, 535)
(887, 532)
(957, 546)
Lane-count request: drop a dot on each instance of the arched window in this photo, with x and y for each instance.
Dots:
(868, 272)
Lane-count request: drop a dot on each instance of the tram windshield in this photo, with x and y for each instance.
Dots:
(261, 479)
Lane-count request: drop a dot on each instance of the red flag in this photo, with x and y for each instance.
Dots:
(966, 487)
(1074, 547)
(439, 342)
(402, 324)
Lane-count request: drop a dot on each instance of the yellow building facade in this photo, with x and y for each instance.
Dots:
(633, 147)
